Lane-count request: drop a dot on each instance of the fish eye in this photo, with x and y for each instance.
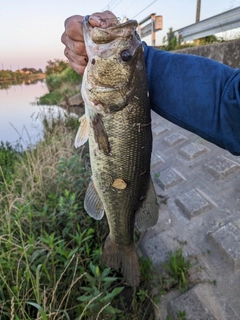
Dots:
(126, 55)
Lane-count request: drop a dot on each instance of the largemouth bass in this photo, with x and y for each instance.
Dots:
(117, 122)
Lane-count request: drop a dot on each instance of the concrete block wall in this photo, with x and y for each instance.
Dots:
(225, 52)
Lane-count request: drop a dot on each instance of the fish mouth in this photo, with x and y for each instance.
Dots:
(100, 36)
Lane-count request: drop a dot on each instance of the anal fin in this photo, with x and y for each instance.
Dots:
(123, 258)
(147, 214)
(92, 203)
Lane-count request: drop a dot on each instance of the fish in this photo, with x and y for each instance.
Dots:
(117, 124)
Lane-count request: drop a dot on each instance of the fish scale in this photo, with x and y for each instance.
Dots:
(118, 122)
(126, 142)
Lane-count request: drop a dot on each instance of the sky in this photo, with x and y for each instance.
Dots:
(30, 30)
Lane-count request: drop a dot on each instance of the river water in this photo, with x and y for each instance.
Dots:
(20, 116)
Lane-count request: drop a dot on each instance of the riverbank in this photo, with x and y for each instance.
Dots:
(61, 87)
(46, 236)
(24, 77)
(27, 79)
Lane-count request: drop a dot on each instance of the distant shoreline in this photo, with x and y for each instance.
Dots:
(25, 77)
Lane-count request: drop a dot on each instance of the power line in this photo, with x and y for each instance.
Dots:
(117, 4)
(144, 9)
(109, 4)
(124, 13)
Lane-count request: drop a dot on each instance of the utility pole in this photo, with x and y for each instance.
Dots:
(198, 11)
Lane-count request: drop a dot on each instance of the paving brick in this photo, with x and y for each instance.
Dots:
(221, 167)
(174, 138)
(235, 305)
(168, 178)
(237, 223)
(158, 130)
(157, 246)
(193, 150)
(198, 304)
(193, 203)
(191, 213)
(227, 241)
(156, 160)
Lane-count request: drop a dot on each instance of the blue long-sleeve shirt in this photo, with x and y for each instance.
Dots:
(196, 93)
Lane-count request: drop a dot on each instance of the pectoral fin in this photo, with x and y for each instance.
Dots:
(82, 134)
(100, 134)
(92, 203)
(147, 215)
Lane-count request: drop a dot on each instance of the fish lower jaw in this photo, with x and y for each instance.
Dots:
(104, 89)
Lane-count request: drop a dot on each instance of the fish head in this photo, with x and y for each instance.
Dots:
(114, 67)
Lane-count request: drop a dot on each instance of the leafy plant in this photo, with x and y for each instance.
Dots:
(55, 66)
(146, 269)
(61, 85)
(98, 293)
(171, 42)
(50, 248)
(8, 156)
(181, 315)
(177, 268)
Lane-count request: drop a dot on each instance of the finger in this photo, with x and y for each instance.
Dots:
(78, 47)
(80, 60)
(103, 19)
(73, 28)
(79, 69)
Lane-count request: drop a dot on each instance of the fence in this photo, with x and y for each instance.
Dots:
(150, 28)
(222, 22)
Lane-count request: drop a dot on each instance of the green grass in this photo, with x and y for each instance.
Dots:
(50, 248)
(181, 315)
(61, 86)
(176, 272)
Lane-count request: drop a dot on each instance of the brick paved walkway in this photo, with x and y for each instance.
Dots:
(202, 184)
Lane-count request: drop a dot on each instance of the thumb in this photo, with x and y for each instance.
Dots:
(103, 19)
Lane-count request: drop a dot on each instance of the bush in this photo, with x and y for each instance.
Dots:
(53, 82)
(71, 76)
(55, 66)
(61, 87)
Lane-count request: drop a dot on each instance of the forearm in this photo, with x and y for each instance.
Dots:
(198, 94)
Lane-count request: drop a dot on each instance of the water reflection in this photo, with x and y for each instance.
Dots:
(8, 84)
(20, 116)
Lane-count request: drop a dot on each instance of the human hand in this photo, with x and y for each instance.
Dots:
(73, 39)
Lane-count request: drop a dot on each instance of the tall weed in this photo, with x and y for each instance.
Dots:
(47, 242)
(49, 247)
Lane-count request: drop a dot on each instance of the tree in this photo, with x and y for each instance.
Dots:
(55, 66)
(171, 42)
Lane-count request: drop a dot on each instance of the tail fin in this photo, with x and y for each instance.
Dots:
(125, 258)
